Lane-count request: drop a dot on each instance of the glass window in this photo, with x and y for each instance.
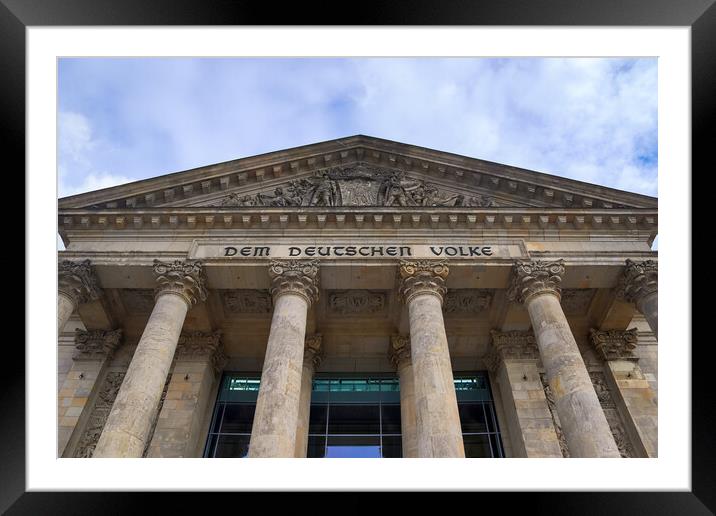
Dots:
(238, 418)
(317, 419)
(354, 419)
(363, 446)
(392, 446)
(390, 419)
(477, 445)
(472, 417)
(316, 446)
(232, 446)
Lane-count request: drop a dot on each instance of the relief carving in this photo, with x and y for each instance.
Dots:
(96, 344)
(467, 301)
(100, 413)
(199, 345)
(510, 345)
(612, 414)
(356, 302)
(159, 411)
(555, 418)
(247, 301)
(615, 344)
(535, 277)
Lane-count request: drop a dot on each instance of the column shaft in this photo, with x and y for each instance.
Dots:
(304, 410)
(438, 422)
(583, 422)
(649, 307)
(408, 419)
(133, 412)
(273, 433)
(65, 307)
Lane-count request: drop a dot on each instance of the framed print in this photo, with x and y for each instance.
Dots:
(389, 269)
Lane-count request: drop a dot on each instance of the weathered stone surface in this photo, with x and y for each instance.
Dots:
(399, 355)
(77, 284)
(312, 357)
(639, 285)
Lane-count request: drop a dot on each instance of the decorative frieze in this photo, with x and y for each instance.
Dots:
(467, 301)
(96, 344)
(555, 418)
(313, 351)
(78, 281)
(535, 277)
(615, 344)
(639, 280)
(510, 345)
(399, 350)
(576, 301)
(246, 301)
(612, 414)
(356, 302)
(199, 345)
(183, 278)
(299, 277)
(98, 417)
(423, 277)
(159, 411)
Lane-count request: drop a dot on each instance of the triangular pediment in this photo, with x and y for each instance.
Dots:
(358, 172)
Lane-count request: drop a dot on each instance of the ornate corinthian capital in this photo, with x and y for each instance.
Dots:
(202, 346)
(399, 350)
(535, 277)
(183, 278)
(313, 351)
(423, 277)
(640, 279)
(96, 344)
(614, 344)
(78, 281)
(299, 277)
(511, 345)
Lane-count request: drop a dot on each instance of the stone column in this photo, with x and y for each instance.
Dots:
(399, 355)
(536, 284)
(77, 284)
(438, 422)
(639, 285)
(180, 286)
(294, 286)
(635, 399)
(312, 357)
(199, 359)
(512, 359)
(78, 392)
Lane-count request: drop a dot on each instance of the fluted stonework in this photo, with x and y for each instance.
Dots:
(179, 286)
(639, 285)
(77, 284)
(438, 423)
(399, 356)
(294, 286)
(312, 358)
(537, 285)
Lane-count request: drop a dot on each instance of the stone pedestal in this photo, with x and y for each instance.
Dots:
(93, 349)
(76, 284)
(399, 355)
(537, 285)
(312, 357)
(438, 422)
(199, 359)
(635, 400)
(512, 361)
(640, 286)
(294, 288)
(180, 285)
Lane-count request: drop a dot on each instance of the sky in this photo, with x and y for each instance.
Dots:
(126, 119)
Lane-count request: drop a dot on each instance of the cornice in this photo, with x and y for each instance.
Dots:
(290, 163)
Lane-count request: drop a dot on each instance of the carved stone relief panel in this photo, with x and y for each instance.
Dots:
(356, 302)
(612, 414)
(467, 301)
(159, 411)
(98, 416)
(555, 417)
(247, 301)
(576, 301)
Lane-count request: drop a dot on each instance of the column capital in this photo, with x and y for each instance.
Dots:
(510, 345)
(423, 277)
(639, 280)
(615, 344)
(201, 346)
(313, 351)
(78, 281)
(182, 278)
(96, 344)
(399, 350)
(535, 277)
(298, 277)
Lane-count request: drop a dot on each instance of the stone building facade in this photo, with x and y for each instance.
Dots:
(357, 297)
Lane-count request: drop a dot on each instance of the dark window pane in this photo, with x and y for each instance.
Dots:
(353, 419)
(211, 444)
(316, 446)
(472, 417)
(238, 418)
(392, 447)
(317, 419)
(233, 446)
(496, 445)
(491, 418)
(353, 446)
(217, 417)
(477, 445)
(391, 419)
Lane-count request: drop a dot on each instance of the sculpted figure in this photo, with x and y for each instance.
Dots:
(234, 200)
(324, 193)
(279, 198)
(398, 191)
(433, 198)
(479, 201)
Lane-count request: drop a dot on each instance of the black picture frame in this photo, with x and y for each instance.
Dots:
(17, 15)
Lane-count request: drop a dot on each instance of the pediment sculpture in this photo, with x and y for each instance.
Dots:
(358, 185)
